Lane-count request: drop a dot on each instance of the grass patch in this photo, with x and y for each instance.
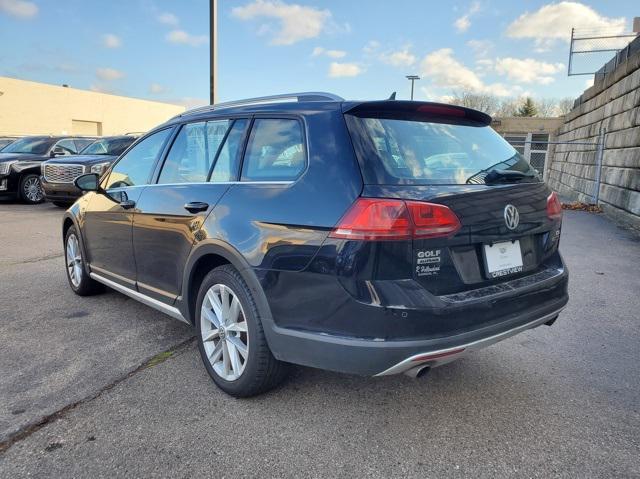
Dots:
(158, 358)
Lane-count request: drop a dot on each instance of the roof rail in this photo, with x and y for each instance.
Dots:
(302, 96)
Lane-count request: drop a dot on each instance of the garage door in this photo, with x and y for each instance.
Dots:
(82, 127)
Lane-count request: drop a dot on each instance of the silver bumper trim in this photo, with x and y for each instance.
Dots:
(444, 356)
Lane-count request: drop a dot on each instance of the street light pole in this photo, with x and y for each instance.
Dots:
(412, 78)
(213, 51)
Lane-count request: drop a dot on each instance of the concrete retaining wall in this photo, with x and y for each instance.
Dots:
(612, 104)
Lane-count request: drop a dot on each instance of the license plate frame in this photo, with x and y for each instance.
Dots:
(503, 258)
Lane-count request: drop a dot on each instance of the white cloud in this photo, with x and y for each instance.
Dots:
(337, 70)
(445, 71)
(109, 74)
(399, 58)
(317, 51)
(157, 89)
(182, 37)
(463, 23)
(554, 21)
(19, 8)
(168, 19)
(295, 22)
(527, 70)
(109, 40)
(481, 48)
(371, 47)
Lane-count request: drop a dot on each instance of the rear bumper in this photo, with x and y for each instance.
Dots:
(401, 339)
(378, 358)
(63, 192)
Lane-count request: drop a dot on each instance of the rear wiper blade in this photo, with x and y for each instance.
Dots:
(506, 176)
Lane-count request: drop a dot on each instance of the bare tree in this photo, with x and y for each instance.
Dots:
(478, 101)
(565, 105)
(547, 107)
(507, 108)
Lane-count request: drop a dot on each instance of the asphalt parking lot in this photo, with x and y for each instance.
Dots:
(106, 387)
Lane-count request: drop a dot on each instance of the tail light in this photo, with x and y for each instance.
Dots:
(554, 207)
(371, 219)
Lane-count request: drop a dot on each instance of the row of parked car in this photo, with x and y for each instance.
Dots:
(38, 168)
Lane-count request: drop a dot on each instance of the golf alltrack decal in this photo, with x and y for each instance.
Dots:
(428, 262)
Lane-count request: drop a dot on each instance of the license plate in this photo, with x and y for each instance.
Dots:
(503, 258)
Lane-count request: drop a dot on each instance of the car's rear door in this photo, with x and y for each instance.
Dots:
(108, 217)
(199, 167)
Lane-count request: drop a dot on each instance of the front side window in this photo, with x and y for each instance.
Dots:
(187, 161)
(275, 151)
(82, 143)
(135, 167)
(68, 146)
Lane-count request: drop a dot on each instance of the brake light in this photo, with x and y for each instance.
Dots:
(371, 219)
(442, 110)
(554, 207)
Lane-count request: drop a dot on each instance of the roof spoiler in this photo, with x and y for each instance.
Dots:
(417, 110)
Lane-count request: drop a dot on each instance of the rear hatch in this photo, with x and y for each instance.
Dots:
(508, 221)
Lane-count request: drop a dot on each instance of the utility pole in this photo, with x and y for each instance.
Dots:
(412, 78)
(213, 51)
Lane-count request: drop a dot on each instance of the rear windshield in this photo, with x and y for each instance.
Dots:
(399, 151)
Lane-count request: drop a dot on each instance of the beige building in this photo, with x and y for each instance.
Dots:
(530, 136)
(30, 108)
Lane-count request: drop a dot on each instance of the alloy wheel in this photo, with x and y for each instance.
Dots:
(74, 260)
(32, 189)
(224, 331)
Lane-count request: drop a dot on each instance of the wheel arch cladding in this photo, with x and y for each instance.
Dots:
(211, 255)
(66, 224)
(200, 269)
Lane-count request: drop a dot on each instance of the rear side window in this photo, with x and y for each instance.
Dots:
(275, 151)
(399, 151)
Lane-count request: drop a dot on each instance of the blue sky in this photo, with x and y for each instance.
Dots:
(158, 49)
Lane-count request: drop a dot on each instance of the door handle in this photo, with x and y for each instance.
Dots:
(196, 206)
(127, 204)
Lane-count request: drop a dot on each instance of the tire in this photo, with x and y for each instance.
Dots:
(253, 373)
(75, 266)
(61, 204)
(31, 189)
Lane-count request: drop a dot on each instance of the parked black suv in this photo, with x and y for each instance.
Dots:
(367, 237)
(21, 160)
(58, 174)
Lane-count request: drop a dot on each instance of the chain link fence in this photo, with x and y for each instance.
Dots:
(538, 150)
(590, 49)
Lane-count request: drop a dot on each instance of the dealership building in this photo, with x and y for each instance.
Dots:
(30, 108)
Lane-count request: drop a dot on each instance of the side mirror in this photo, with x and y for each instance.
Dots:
(88, 182)
(58, 151)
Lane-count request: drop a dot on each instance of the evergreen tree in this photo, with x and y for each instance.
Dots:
(528, 108)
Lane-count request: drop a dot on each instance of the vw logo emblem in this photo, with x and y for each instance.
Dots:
(511, 217)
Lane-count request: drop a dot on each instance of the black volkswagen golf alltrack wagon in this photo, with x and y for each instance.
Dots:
(366, 237)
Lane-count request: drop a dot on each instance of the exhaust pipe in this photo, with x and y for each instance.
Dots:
(418, 371)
